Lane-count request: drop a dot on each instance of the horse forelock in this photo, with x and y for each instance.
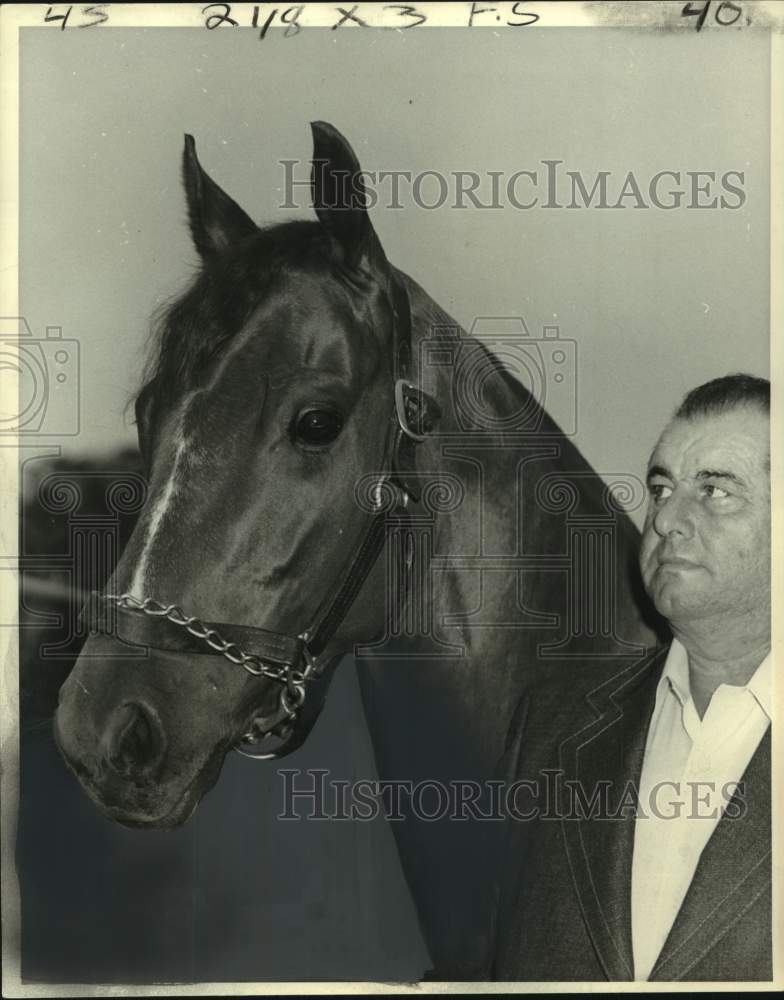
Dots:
(190, 331)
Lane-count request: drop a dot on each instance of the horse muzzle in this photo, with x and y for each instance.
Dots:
(144, 751)
(119, 763)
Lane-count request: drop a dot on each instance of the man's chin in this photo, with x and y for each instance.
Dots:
(675, 585)
(670, 595)
(681, 605)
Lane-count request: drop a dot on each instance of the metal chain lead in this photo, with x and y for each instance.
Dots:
(292, 695)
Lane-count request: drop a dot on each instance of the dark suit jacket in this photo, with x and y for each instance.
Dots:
(564, 907)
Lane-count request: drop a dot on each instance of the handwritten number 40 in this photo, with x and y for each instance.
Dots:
(725, 14)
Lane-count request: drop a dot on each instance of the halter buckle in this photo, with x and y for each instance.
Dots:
(402, 387)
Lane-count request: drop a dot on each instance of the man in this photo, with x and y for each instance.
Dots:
(647, 856)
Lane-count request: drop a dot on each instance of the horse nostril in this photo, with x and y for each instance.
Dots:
(134, 740)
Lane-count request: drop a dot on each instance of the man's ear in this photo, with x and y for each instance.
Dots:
(340, 200)
(216, 220)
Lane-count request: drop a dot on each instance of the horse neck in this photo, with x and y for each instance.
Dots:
(483, 466)
(468, 513)
(521, 496)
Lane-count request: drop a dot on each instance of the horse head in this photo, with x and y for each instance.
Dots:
(275, 386)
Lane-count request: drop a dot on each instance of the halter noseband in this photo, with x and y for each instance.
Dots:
(292, 661)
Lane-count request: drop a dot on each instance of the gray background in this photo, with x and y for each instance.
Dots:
(657, 301)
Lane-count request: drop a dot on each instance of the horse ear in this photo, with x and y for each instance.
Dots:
(216, 220)
(339, 197)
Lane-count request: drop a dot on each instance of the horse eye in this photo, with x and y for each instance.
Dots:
(318, 427)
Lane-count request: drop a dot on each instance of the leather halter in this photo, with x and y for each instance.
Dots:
(294, 660)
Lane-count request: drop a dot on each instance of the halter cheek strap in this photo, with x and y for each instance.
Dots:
(293, 661)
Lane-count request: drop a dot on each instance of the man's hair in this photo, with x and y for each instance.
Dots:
(725, 393)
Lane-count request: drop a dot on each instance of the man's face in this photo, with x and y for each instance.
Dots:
(706, 541)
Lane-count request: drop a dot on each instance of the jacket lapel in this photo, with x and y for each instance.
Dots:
(732, 873)
(605, 756)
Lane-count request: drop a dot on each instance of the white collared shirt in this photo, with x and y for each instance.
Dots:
(676, 815)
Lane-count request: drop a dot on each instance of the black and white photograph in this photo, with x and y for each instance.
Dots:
(389, 497)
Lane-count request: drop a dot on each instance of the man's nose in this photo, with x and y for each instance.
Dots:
(675, 515)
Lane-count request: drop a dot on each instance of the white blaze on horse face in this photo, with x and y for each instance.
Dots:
(183, 444)
(160, 507)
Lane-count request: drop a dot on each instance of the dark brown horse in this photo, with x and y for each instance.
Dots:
(335, 467)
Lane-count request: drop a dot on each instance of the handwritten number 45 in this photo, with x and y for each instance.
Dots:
(98, 13)
(725, 14)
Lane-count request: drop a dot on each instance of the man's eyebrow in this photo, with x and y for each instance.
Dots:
(721, 474)
(658, 470)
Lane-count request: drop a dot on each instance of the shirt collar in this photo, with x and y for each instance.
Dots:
(760, 685)
(675, 676)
